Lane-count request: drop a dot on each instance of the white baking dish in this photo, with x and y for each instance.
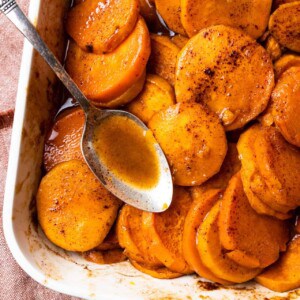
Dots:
(61, 271)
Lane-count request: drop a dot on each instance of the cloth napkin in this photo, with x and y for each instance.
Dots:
(15, 284)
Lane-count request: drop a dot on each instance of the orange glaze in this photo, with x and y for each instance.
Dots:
(127, 151)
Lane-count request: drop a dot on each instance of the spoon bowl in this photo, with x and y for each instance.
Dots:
(155, 199)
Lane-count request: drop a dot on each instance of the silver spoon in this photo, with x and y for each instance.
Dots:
(156, 199)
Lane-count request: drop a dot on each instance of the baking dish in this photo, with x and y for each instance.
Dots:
(52, 267)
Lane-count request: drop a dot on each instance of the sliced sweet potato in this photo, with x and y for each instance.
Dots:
(250, 173)
(157, 95)
(193, 141)
(251, 16)
(284, 25)
(127, 96)
(163, 57)
(214, 256)
(202, 203)
(279, 165)
(257, 238)
(63, 140)
(210, 68)
(284, 275)
(105, 77)
(285, 105)
(230, 166)
(74, 210)
(170, 12)
(164, 232)
(101, 26)
(160, 273)
(111, 241)
(104, 257)
(285, 62)
(273, 48)
(132, 237)
(179, 40)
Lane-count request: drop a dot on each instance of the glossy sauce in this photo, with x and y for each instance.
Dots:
(127, 151)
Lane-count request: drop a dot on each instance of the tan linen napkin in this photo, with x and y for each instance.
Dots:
(14, 283)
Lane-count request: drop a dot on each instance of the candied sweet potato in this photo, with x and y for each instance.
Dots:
(257, 238)
(105, 77)
(285, 62)
(160, 273)
(249, 15)
(164, 232)
(284, 275)
(193, 141)
(74, 210)
(163, 57)
(202, 203)
(170, 12)
(279, 165)
(63, 140)
(104, 257)
(285, 105)
(231, 165)
(284, 25)
(99, 26)
(213, 255)
(251, 176)
(127, 96)
(156, 95)
(131, 236)
(209, 70)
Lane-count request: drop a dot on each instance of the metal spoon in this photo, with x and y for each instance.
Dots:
(156, 199)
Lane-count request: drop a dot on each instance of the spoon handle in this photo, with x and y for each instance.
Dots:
(13, 12)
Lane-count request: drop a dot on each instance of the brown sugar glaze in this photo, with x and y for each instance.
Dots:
(128, 151)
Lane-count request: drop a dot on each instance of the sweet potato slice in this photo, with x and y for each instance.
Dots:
(250, 173)
(202, 203)
(285, 62)
(163, 57)
(285, 105)
(170, 12)
(105, 77)
(179, 40)
(284, 25)
(101, 26)
(273, 48)
(251, 16)
(193, 141)
(63, 140)
(230, 166)
(259, 238)
(284, 275)
(127, 96)
(132, 237)
(279, 165)
(164, 232)
(74, 210)
(104, 257)
(157, 95)
(210, 68)
(213, 255)
(160, 273)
